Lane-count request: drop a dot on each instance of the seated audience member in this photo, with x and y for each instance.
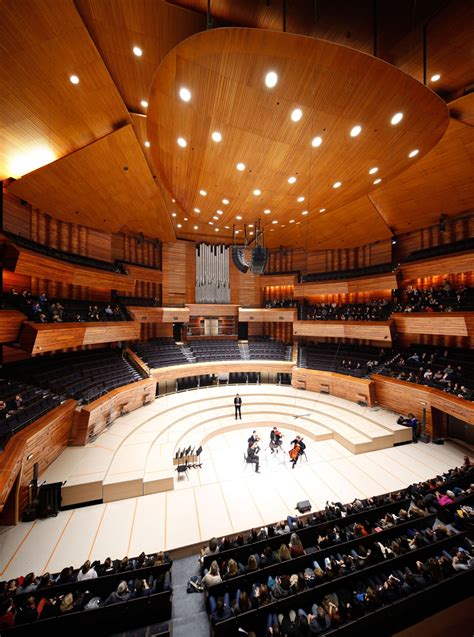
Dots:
(296, 547)
(140, 589)
(211, 549)
(122, 594)
(86, 572)
(7, 613)
(220, 609)
(212, 577)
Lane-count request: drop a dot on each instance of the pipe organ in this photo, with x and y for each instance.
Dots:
(212, 274)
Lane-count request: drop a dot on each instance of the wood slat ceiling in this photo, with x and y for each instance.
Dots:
(440, 182)
(335, 87)
(91, 186)
(42, 115)
(462, 109)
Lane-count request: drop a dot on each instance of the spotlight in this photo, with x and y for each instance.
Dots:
(394, 240)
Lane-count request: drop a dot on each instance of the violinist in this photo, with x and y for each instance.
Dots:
(253, 440)
(298, 449)
(275, 439)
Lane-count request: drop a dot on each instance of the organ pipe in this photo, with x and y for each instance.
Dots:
(212, 274)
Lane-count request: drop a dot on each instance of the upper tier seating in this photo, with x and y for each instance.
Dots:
(354, 360)
(348, 274)
(70, 257)
(442, 298)
(261, 348)
(218, 350)
(84, 376)
(16, 413)
(141, 301)
(376, 310)
(160, 352)
(436, 251)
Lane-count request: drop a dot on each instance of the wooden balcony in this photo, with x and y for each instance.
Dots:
(159, 314)
(367, 330)
(441, 323)
(10, 324)
(348, 387)
(449, 264)
(276, 280)
(346, 286)
(210, 310)
(271, 315)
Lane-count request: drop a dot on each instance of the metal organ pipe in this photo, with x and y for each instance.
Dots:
(212, 274)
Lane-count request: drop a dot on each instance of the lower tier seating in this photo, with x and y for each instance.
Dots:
(215, 350)
(160, 352)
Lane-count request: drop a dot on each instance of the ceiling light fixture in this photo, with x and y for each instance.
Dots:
(147, 144)
(211, 223)
(178, 225)
(271, 79)
(304, 213)
(185, 218)
(173, 214)
(240, 166)
(185, 94)
(267, 211)
(373, 170)
(322, 210)
(337, 184)
(413, 153)
(435, 77)
(317, 141)
(182, 142)
(291, 180)
(225, 202)
(238, 217)
(216, 229)
(291, 221)
(197, 210)
(195, 227)
(144, 103)
(137, 51)
(396, 119)
(216, 136)
(274, 221)
(257, 192)
(356, 130)
(216, 218)
(219, 212)
(203, 193)
(296, 114)
(300, 199)
(377, 181)
(74, 79)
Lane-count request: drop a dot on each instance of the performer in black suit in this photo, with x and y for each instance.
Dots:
(298, 449)
(237, 405)
(275, 439)
(253, 441)
(252, 456)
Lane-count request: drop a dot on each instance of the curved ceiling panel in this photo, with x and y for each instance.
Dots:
(335, 88)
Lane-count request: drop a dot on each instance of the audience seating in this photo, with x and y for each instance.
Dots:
(436, 251)
(348, 274)
(161, 352)
(139, 301)
(268, 349)
(353, 360)
(215, 350)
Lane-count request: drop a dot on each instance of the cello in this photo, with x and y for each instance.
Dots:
(295, 452)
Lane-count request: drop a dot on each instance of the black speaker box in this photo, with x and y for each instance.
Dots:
(29, 513)
(304, 506)
(438, 441)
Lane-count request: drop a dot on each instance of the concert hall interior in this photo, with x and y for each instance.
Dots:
(237, 319)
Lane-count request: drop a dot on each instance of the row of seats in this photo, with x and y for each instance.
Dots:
(268, 350)
(436, 251)
(218, 350)
(352, 360)
(348, 274)
(140, 301)
(160, 353)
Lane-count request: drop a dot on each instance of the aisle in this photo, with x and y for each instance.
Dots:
(189, 614)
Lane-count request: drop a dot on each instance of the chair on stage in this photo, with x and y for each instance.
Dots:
(183, 468)
(246, 460)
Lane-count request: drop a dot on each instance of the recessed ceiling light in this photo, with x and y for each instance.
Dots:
(203, 193)
(147, 144)
(182, 142)
(178, 225)
(413, 153)
(173, 214)
(291, 221)
(240, 166)
(216, 229)
(74, 79)
(197, 209)
(296, 114)
(291, 180)
(356, 131)
(257, 192)
(250, 225)
(373, 170)
(435, 77)
(238, 217)
(185, 94)
(225, 202)
(173, 200)
(317, 141)
(271, 78)
(250, 233)
(271, 229)
(144, 103)
(396, 119)
(211, 223)
(216, 136)
(267, 211)
(237, 231)
(274, 221)
(219, 212)
(337, 184)
(227, 227)
(282, 225)
(195, 227)
(377, 181)
(304, 213)
(322, 210)
(216, 218)
(300, 199)
(185, 218)
(137, 51)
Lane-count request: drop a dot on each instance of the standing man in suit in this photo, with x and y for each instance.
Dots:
(238, 405)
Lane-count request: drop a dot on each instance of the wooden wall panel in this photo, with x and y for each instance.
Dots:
(442, 324)
(10, 323)
(267, 315)
(255, 329)
(277, 280)
(195, 369)
(217, 310)
(16, 214)
(244, 288)
(159, 314)
(179, 273)
(144, 274)
(46, 337)
(353, 389)
(347, 286)
(450, 264)
(367, 330)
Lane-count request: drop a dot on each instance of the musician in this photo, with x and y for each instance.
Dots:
(298, 449)
(238, 405)
(252, 456)
(253, 440)
(275, 439)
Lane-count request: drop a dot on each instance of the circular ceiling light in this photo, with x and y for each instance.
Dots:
(182, 142)
(413, 153)
(373, 170)
(144, 103)
(227, 227)
(74, 79)
(195, 227)
(291, 180)
(225, 202)
(356, 130)
(197, 210)
(216, 136)
(137, 51)
(173, 214)
(322, 210)
(274, 221)
(211, 223)
(219, 212)
(240, 166)
(185, 94)
(250, 225)
(267, 211)
(147, 144)
(216, 218)
(178, 225)
(296, 114)
(300, 199)
(337, 184)
(304, 213)
(203, 193)
(271, 79)
(435, 77)
(238, 217)
(257, 192)
(250, 233)
(396, 119)
(216, 229)
(377, 181)
(291, 221)
(317, 141)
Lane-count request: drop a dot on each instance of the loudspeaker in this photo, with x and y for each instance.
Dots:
(29, 513)
(438, 441)
(238, 258)
(304, 506)
(259, 260)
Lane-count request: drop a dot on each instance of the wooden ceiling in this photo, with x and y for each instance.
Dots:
(44, 117)
(336, 88)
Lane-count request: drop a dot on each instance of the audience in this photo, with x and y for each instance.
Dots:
(442, 298)
(375, 310)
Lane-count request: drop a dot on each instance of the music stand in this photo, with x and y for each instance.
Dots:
(198, 451)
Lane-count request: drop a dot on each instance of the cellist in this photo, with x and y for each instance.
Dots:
(298, 449)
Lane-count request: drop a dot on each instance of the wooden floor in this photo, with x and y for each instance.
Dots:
(225, 496)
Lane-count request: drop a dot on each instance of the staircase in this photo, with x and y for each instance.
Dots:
(189, 355)
(189, 613)
(244, 350)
